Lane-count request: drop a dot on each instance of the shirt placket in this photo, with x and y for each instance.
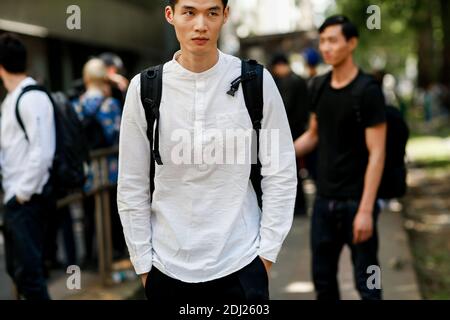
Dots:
(200, 116)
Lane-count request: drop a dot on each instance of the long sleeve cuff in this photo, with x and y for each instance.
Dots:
(143, 264)
(269, 250)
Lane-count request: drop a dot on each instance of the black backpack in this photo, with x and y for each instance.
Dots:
(252, 85)
(71, 150)
(393, 182)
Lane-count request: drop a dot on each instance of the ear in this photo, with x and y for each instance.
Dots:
(169, 14)
(353, 42)
(226, 14)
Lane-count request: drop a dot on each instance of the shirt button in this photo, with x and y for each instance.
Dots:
(200, 85)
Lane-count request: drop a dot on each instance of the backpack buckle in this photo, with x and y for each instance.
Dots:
(234, 86)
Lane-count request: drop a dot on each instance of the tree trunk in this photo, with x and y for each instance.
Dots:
(445, 16)
(425, 43)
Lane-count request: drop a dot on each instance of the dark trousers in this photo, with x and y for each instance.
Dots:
(59, 220)
(24, 226)
(331, 229)
(89, 231)
(248, 284)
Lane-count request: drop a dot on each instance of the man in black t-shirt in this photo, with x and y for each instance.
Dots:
(350, 136)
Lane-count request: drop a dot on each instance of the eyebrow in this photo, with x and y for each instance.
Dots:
(188, 8)
(327, 37)
(216, 8)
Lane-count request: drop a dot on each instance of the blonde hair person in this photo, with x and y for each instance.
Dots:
(95, 76)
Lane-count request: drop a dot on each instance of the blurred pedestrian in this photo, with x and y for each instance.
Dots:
(350, 132)
(100, 115)
(114, 70)
(293, 90)
(26, 156)
(312, 59)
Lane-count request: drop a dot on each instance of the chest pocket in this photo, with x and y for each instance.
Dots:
(233, 120)
(236, 130)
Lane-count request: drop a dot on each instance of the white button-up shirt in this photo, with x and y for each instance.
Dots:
(25, 164)
(204, 222)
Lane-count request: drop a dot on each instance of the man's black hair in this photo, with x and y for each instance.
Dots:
(172, 3)
(279, 58)
(111, 60)
(13, 54)
(349, 30)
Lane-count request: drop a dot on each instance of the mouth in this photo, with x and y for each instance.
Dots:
(200, 41)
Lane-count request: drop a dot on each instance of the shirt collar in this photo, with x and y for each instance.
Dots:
(28, 81)
(183, 71)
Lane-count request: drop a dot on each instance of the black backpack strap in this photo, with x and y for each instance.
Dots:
(252, 85)
(363, 81)
(151, 92)
(24, 91)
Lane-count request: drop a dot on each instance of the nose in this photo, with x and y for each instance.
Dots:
(200, 24)
(324, 47)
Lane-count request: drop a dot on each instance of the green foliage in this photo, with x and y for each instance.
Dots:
(398, 39)
(394, 43)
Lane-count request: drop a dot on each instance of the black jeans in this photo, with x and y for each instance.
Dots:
(24, 227)
(331, 229)
(248, 284)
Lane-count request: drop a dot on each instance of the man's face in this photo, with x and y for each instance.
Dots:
(197, 24)
(2, 72)
(335, 48)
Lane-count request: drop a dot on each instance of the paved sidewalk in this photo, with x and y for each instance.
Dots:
(291, 279)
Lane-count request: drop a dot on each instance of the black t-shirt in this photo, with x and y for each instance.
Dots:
(293, 90)
(343, 155)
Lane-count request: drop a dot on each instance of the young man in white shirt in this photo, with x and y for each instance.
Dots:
(203, 236)
(26, 156)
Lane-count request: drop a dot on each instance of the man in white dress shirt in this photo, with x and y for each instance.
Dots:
(26, 156)
(203, 235)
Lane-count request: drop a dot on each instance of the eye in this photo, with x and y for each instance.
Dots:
(188, 13)
(214, 14)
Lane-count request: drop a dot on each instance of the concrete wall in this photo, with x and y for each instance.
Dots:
(108, 23)
(135, 29)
